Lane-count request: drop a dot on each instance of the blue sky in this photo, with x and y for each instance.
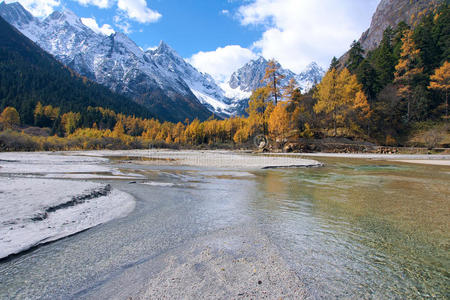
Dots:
(218, 36)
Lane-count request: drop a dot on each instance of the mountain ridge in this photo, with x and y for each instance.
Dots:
(29, 75)
(159, 79)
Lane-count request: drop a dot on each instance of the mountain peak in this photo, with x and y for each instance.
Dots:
(15, 13)
(65, 16)
(164, 48)
(312, 65)
(260, 60)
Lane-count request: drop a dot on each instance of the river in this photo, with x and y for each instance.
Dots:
(353, 229)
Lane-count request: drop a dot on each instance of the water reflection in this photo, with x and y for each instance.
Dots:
(353, 229)
(362, 230)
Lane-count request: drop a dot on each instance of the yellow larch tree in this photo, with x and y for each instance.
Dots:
(407, 69)
(340, 96)
(328, 97)
(10, 117)
(279, 123)
(440, 81)
(272, 78)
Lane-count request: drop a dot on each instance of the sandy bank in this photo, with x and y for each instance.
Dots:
(213, 159)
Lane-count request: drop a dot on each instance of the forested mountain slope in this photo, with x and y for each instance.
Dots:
(29, 75)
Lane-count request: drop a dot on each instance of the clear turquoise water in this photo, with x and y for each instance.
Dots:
(359, 229)
(354, 229)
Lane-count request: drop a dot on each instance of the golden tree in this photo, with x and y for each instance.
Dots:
(290, 89)
(257, 110)
(279, 122)
(328, 97)
(407, 69)
(340, 96)
(440, 81)
(272, 77)
(118, 130)
(70, 122)
(10, 117)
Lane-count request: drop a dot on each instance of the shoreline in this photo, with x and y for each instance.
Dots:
(424, 159)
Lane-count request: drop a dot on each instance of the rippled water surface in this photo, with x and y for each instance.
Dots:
(352, 229)
(362, 229)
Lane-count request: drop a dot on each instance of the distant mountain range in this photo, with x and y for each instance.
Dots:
(158, 79)
(29, 75)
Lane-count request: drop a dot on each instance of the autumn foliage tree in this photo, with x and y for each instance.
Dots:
(279, 123)
(70, 122)
(272, 78)
(340, 98)
(407, 69)
(440, 81)
(10, 117)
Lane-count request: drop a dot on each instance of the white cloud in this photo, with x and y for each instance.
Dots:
(106, 29)
(122, 24)
(39, 8)
(222, 62)
(300, 31)
(137, 10)
(98, 3)
(225, 12)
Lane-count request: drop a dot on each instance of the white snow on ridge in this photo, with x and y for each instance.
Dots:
(25, 221)
(236, 94)
(218, 106)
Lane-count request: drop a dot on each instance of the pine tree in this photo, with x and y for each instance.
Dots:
(355, 56)
(384, 59)
(334, 63)
(368, 77)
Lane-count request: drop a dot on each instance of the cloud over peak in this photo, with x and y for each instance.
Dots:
(106, 29)
(222, 62)
(136, 10)
(300, 31)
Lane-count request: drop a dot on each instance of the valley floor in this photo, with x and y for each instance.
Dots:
(175, 224)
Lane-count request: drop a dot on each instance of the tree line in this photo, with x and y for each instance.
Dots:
(378, 96)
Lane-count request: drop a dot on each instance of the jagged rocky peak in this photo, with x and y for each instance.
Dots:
(390, 13)
(15, 13)
(249, 76)
(163, 48)
(124, 45)
(311, 76)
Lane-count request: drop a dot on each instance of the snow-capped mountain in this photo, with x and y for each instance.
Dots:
(202, 85)
(153, 78)
(159, 79)
(311, 76)
(250, 77)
